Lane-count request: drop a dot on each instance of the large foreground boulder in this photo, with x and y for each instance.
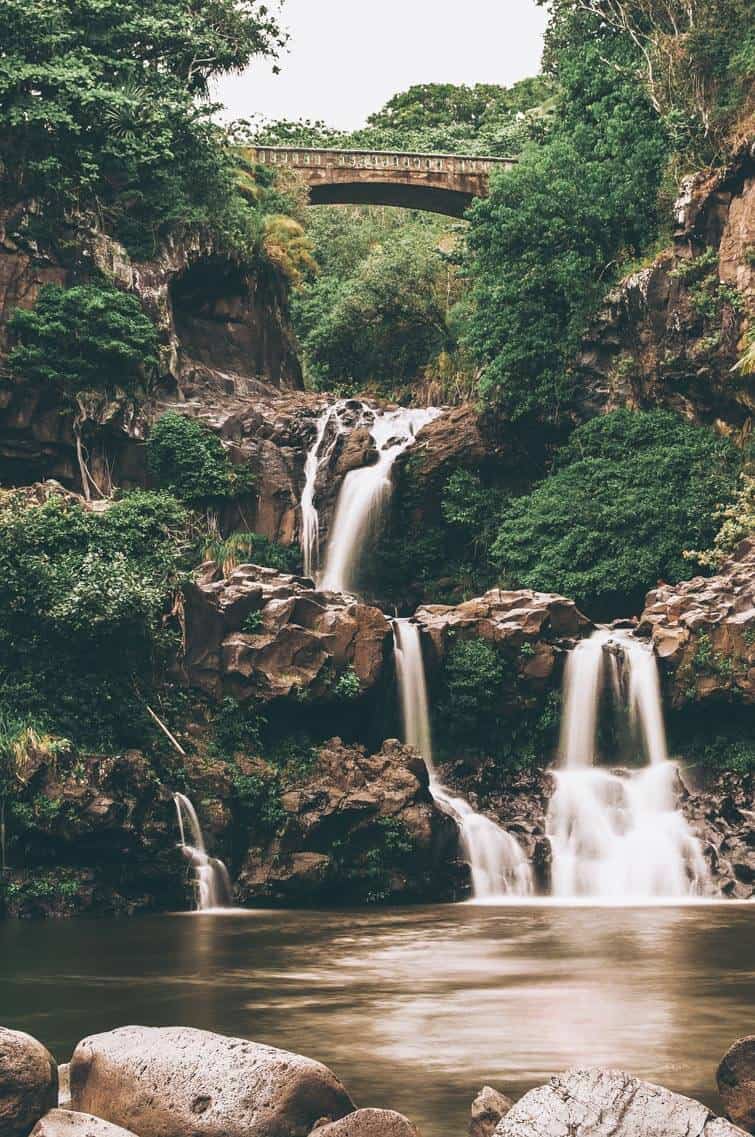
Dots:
(609, 1103)
(180, 1082)
(736, 1082)
(369, 1123)
(67, 1123)
(28, 1082)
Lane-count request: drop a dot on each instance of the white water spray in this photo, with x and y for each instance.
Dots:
(364, 494)
(310, 517)
(617, 834)
(213, 884)
(497, 862)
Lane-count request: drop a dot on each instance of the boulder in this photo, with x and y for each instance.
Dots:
(67, 1123)
(736, 1083)
(369, 1123)
(609, 1103)
(180, 1082)
(487, 1110)
(703, 631)
(302, 640)
(64, 1086)
(28, 1082)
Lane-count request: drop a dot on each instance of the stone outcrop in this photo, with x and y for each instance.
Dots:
(69, 1123)
(369, 1123)
(357, 827)
(546, 623)
(28, 1082)
(488, 1108)
(217, 328)
(176, 1082)
(609, 1103)
(301, 643)
(670, 333)
(736, 1083)
(703, 631)
(722, 817)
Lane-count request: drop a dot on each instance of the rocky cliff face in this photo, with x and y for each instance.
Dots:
(215, 325)
(703, 632)
(670, 333)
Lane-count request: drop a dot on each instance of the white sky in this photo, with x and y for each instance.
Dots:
(347, 57)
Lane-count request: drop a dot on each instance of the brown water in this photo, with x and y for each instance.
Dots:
(416, 1008)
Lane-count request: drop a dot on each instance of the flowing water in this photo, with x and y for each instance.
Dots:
(310, 517)
(414, 1009)
(497, 862)
(364, 494)
(617, 833)
(213, 884)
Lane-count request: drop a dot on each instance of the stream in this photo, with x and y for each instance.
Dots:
(414, 1009)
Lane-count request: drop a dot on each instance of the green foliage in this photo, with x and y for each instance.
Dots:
(253, 624)
(83, 600)
(102, 107)
(237, 729)
(737, 523)
(347, 687)
(473, 680)
(258, 797)
(251, 548)
(384, 321)
(544, 243)
(189, 461)
(88, 338)
(631, 492)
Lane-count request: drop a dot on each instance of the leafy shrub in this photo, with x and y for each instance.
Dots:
(347, 687)
(631, 492)
(87, 338)
(473, 679)
(83, 598)
(188, 460)
(237, 729)
(258, 797)
(251, 548)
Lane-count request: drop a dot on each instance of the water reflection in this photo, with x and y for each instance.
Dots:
(414, 1009)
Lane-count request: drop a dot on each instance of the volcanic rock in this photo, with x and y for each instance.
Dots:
(28, 1082)
(609, 1103)
(180, 1082)
(68, 1123)
(368, 1123)
(736, 1082)
(487, 1110)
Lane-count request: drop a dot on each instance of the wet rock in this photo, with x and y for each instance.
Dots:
(359, 450)
(487, 1110)
(303, 639)
(68, 1123)
(736, 1083)
(703, 631)
(609, 1103)
(179, 1082)
(28, 1082)
(369, 1123)
(356, 825)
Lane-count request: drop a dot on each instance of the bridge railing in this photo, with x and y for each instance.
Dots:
(303, 157)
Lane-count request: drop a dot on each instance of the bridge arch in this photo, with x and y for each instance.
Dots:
(439, 183)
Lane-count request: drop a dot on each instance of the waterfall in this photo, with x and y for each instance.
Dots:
(498, 865)
(310, 518)
(617, 833)
(213, 884)
(364, 493)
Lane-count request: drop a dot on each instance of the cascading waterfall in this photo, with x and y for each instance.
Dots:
(213, 884)
(617, 834)
(497, 862)
(365, 492)
(310, 517)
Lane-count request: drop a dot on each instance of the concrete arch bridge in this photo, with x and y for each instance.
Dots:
(439, 183)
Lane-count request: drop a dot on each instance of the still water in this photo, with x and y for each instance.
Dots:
(415, 1009)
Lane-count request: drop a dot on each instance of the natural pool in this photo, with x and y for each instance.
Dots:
(415, 1008)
